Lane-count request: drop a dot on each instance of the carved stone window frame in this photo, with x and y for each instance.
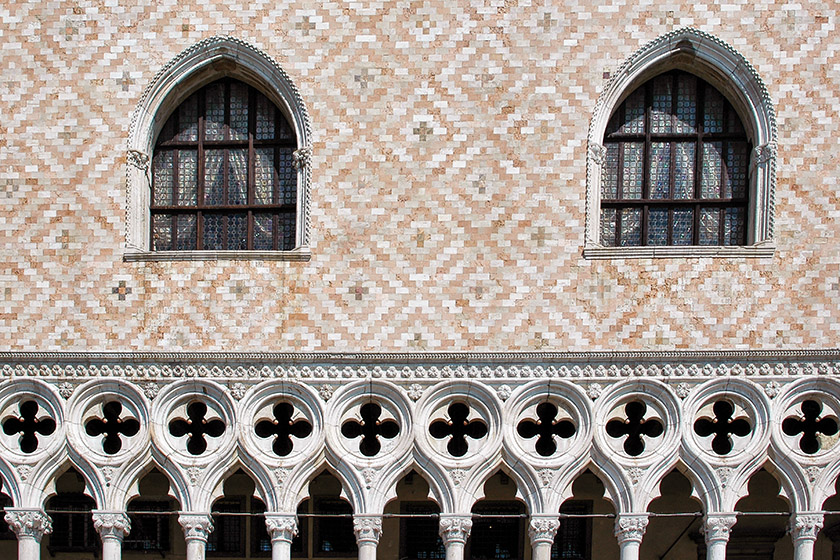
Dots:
(729, 72)
(207, 61)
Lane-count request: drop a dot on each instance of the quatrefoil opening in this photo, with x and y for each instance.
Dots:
(811, 425)
(28, 425)
(283, 428)
(723, 426)
(112, 427)
(546, 428)
(458, 429)
(370, 429)
(634, 428)
(197, 428)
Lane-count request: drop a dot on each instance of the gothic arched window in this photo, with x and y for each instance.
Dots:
(676, 168)
(223, 176)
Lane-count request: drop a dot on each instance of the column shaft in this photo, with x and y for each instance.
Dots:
(282, 528)
(112, 526)
(629, 530)
(197, 527)
(716, 527)
(455, 530)
(542, 530)
(804, 528)
(368, 528)
(30, 526)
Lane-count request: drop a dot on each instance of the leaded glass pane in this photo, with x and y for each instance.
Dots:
(609, 182)
(238, 176)
(285, 132)
(631, 226)
(709, 226)
(214, 177)
(660, 170)
(214, 105)
(686, 104)
(265, 118)
(634, 113)
(162, 232)
(734, 224)
(213, 230)
(683, 226)
(188, 120)
(186, 232)
(264, 175)
(163, 178)
(713, 111)
(684, 170)
(237, 232)
(660, 114)
(287, 177)
(712, 159)
(238, 111)
(263, 232)
(735, 178)
(608, 220)
(187, 177)
(287, 232)
(657, 229)
(632, 171)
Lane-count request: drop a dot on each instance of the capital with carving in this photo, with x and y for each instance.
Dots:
(631, 527)
(805, 525)
(367, 528)
(543, 529)
(455, 528)
(28, 523)
(716, 526)
(197, 526)
(597, 152)
(111, 524)
(301, 157)
(281, 526)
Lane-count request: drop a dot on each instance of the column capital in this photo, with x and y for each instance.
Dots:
(29, 523)
(368, 528)
(716, 526)
(111, 524)
(805, 525)
(630, 527)
(455, 528)
(281, 526)
(197, 526)
(543, 529)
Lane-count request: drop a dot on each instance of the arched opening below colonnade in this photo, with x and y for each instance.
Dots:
(410, 528)
(239, 529)
(154, 520)
(72, 521)
(587, 523)
(675, 520)
(499, 530)
(325, 522)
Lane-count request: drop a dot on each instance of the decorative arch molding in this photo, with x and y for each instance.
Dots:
(206, 61)
(718, 63)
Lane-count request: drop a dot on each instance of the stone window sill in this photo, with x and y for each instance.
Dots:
(759, 251)
(300, 254)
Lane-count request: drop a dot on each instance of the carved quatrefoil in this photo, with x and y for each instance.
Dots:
(28, 426)
(197, 428)
(457, 429)
(634, 428)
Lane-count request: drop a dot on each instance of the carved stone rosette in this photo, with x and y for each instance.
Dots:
(29, 523)
(281, 526)
(543, 529)
(716, 527)
(455, 528)
(368, 528)
(111, 524)
(197, 526)
(631, 527)
(805, 526)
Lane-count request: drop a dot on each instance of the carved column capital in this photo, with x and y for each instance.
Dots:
(138, 159)
(597, 152)
(455, 528)
(302, 157)
(716, 526)
(28, 523)
(281, 526)
(111, 524)
(543, 529)
(631, 527)
(805, 525)
(764, 153)
(368, 528)
(197, 526)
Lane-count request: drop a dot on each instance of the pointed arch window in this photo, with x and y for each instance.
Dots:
(676, 167)
(223, 174)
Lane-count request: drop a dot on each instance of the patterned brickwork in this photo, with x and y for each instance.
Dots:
(448, 182)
